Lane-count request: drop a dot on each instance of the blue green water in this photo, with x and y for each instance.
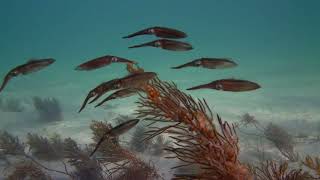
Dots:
(275, 43)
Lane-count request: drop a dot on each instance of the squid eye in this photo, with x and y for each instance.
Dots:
(219, 87)
(14, 73)
(151, 31)
(157, 44)
(198, 63)
(114, 59)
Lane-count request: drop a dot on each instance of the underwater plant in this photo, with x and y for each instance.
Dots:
(11, 105)
(10, 145)
(44, 148)
(271, 170)
(118, 161)
(48, 109)
(282, 140)
(247, 119)
(196, 138)
(313, 164)
(135, 142)
(85, 167)
(27, 170)
(158, 145)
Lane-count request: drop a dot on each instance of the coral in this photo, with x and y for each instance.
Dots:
(11, 105)
(48, 109)
(44, 148)
(282, 140)
(27, 170)
(197, 140)
(10, 145)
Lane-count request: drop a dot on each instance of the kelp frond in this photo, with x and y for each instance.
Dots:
(10, 145)
(196, 139)
(27, 170)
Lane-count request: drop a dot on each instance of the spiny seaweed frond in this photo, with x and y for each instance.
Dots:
(248, 119)
(158, 145)
(185, 171)
(44, 148)
(135, 142)
(10, 145)
(133, 168)
(273, 171)
(282, 140)
(118, 161)
(313, 164)
(109, 149)
(196, 139)
(27, 170)
(86, 168)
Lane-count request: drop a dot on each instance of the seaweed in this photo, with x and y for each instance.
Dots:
(85, 167)
(10, 145)
(135, 142)
(186, 171)
(27, 170)
(117, 161)
(48, 109)
(11, 105)
(313, 164)
(44, 148)
(109, 149)
(270, 170)
(196, 138)
(247, 119)
(139, 170)
(279, 137)
(282, 140)
(158, 145)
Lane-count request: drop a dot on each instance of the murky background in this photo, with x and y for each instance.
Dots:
(275, 43)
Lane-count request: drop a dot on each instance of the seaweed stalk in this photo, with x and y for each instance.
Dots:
(196, 138)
